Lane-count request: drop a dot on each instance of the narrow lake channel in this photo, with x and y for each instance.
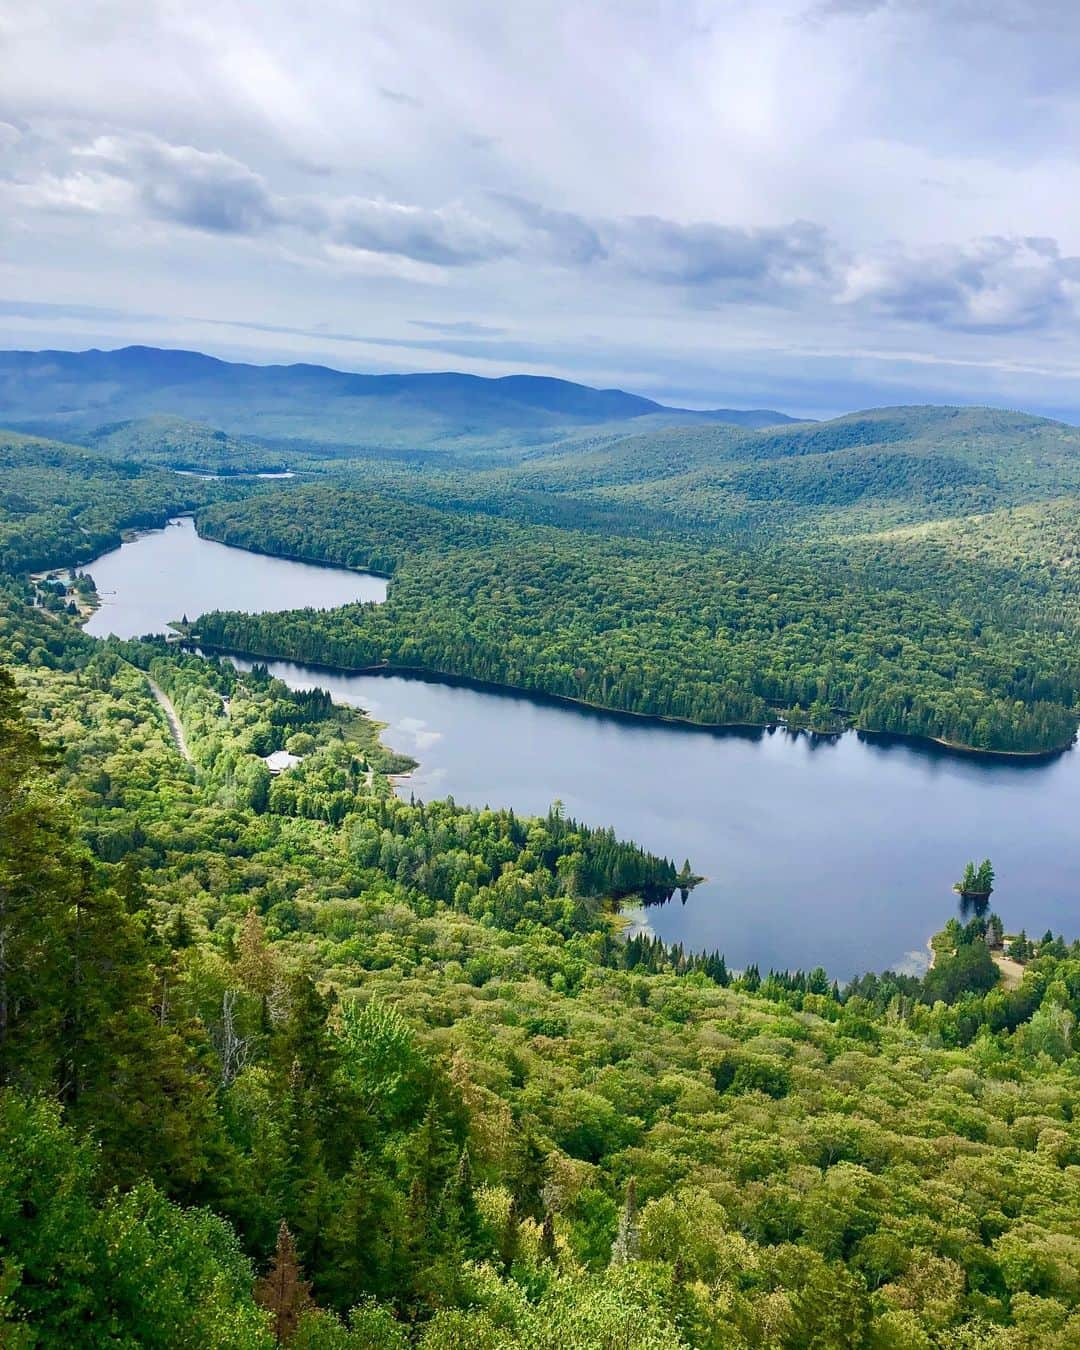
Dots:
(837, 852)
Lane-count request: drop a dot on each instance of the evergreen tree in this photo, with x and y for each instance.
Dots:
(365, 1239)
(283, 1291)
(180, 933)
(510, 1236)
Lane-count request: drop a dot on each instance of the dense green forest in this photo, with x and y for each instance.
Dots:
(60, 504)
(299, 1059)
(659, 624)
(410, 1032)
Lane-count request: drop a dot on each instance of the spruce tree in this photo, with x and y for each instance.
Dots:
(283, 1291)
(510, 1236)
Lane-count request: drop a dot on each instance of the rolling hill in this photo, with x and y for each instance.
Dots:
(861, 472)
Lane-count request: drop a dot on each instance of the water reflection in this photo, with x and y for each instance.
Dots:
(973, 906)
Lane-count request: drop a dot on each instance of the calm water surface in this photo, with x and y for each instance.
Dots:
(165, 574)
(833, 852)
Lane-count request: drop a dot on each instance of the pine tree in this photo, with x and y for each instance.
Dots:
(365, 1238)
(180, 933)
(283, 1291)
(510, 1236)
(529, 1173)
(458, 1205)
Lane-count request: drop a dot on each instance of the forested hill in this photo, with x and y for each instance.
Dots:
(61, 504)
(915, 460)
(906, 570)
(179, 443)
(75, 394)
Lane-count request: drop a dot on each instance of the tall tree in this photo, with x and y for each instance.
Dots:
(283, 1291)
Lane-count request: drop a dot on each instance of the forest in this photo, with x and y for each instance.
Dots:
(410, 1033)
(61, 505)
(657, 625)
(303, 1060)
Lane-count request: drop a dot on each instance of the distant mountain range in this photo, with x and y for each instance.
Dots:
(82, 395)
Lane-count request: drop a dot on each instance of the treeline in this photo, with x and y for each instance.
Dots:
(707, 635)
(61, 505)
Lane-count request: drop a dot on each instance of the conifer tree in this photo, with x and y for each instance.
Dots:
(457, 1208)
(180, 933)
(365, 1238)
(510, 1236)
(283, 1291)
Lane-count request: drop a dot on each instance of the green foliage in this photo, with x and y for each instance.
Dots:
(970, 968)
(184, 445)
(450, 1117)
(660, 625)
(976, 881)
(63, 505)
(411, 1033)
(130, 1269)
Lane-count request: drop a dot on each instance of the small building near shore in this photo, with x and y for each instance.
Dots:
(281, 760)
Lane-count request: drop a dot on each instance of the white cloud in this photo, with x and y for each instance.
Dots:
(1000, 284)
(704, 175)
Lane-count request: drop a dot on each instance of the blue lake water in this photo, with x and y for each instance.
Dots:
(165, 574)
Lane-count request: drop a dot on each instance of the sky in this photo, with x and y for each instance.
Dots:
(811, 205)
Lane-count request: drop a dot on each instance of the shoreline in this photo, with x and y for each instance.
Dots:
(292, 557)
(750, 730)
(657, 719)
(736, 729)
(1010, 972)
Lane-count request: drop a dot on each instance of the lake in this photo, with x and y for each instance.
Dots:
(165, 574)
(839, 852)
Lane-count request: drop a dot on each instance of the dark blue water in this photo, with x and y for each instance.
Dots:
(835, 852)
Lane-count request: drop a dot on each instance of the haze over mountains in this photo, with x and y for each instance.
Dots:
(75, 395)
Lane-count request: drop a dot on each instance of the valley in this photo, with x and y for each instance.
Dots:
(750, 808)
(405, 986)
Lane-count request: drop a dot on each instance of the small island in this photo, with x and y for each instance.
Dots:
(977, 883)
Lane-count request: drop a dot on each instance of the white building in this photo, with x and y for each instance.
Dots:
(281, 760)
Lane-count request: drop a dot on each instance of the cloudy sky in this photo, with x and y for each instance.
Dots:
(815, 205)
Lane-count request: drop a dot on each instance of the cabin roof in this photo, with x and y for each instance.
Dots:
(281, 760)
